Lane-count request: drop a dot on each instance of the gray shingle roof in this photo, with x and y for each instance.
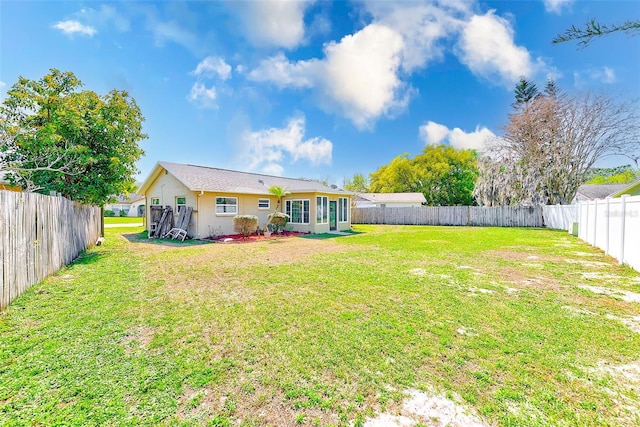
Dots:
(204, 178)
(599, 191)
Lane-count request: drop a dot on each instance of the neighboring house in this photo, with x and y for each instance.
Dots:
(390, 200)
(602, 191)
(632, 189)
(131, 204)
(217, 195)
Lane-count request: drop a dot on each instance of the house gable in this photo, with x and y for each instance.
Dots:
(632, 190)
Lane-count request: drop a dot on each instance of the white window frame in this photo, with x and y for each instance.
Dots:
(343, 216)
(226, 206)
(303, 202)
(261, 202)
(322, 210)
(155, 201)
(180, 205)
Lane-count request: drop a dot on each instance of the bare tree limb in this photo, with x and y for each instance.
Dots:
(593, 29)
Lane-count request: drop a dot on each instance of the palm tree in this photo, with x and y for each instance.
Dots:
(279, 192)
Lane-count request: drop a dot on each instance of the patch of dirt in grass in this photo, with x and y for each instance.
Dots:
(624, 390)
(468, 332)
(588, 264)
(138, 337)
(586, 254)
(270, 252)
(197, 405)
(633, 322)
(522, 280)
(519, 256)
(428, 409)
(575, 310)
(601, 277)
(627, 296)
(477, 291)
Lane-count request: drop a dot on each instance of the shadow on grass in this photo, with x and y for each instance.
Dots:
(323, 236)
(142, 237)
(85, 258)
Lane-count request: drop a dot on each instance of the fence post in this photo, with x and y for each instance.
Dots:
(606, 227)
(623, 208)
(595, 223)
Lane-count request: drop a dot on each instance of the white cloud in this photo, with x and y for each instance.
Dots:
(283, 73)
(171, 31)
(604, 75)
(361, 74)
(103, 17)
(423, 26)
(274, 23)
(71, 27)
(434, 133)
(202, 96)
(487, 47)
(212, 66)
(556, 6)
(364, 75)
(358, 76)
(267, 148)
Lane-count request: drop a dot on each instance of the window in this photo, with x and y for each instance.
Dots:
(226, 205)
(343, 209)
(181, 203)
(264, 204)
(298, 211)
(321, 210)
(155, 200)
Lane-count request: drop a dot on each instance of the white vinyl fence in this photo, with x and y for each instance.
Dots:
(561, 217)
(613, 225)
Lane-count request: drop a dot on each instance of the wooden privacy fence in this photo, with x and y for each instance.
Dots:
(38, 235)
(501, 216)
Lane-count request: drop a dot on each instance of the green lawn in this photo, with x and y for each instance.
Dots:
(123, 220)
(298, 331)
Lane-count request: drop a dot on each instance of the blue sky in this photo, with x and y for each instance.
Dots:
(316, 89)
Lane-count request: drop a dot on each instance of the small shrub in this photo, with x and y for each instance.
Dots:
(278, 220)
(245, 224)
(109, 213)
(123, 213)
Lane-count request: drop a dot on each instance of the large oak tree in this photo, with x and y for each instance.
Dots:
(444, 175)
(56, 137)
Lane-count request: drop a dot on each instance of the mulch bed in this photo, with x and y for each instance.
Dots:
(239, 238)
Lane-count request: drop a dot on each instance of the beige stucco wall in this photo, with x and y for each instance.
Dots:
(211, 223)
(166, 187)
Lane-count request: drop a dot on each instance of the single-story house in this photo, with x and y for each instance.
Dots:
(602, 191)
(217, 195)
(131, 204)
(391, 200)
